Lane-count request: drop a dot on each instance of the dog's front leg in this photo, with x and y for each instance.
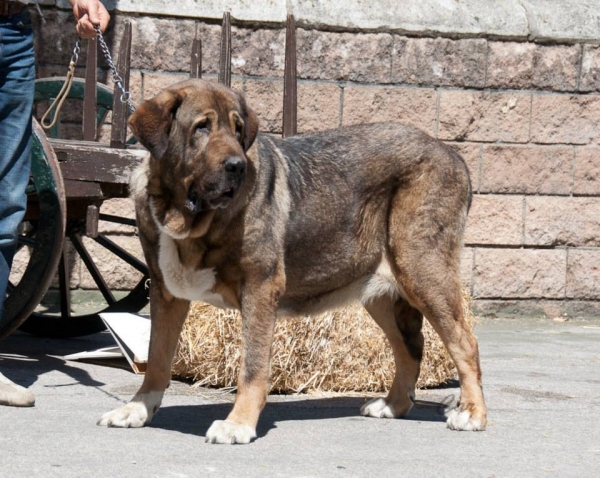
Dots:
(259, 312)
(168, 314)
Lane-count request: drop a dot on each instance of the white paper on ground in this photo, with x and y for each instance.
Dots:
(132, 334)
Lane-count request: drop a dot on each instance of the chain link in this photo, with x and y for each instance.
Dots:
(125, 95)
(76, 50)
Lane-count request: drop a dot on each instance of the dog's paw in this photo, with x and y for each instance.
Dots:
(224, 431)
(135, 414)
(380, 408)
(462, 419)
(132, 415)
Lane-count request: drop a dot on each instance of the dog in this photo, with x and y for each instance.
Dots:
(293, 226)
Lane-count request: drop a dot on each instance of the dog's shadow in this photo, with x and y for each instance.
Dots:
(196, 419)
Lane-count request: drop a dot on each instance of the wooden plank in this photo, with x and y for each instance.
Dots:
(97, 163)
(82, 190)
(118, 135)
(225, 57)
(92, 218)
(90, 100)
(290, 83)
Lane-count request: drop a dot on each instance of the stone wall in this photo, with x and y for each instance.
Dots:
(521, 106)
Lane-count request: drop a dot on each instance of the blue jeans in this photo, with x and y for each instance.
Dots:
(17, 82)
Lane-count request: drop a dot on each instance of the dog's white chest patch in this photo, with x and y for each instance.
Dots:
(186, 282)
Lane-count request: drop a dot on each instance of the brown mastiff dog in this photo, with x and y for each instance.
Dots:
(276, 226)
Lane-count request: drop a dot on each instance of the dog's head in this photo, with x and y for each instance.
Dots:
(198, 134)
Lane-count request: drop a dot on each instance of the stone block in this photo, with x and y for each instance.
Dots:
(527, 169)
(538, 308)
(373, 104)
(265, 97)
(74, 265)
(471, 153)
(519, 273)
(55, 45)
(120, 207)
(583, 274)
(439, 61)
(117, 274)
(360, 57)
(257, 52)
(20, 261)
(484, 116)
(587, 171)
(569, 119)
(524, 66)
(318, 106)
(161, 44)
(590, 68)
(154, 83)
(466, 267)
(555, 221)
(495, 220)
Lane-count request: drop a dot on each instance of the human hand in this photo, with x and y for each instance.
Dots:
(89, 13)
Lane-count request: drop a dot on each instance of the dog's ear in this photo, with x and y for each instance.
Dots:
(151, 122)
(251, 123)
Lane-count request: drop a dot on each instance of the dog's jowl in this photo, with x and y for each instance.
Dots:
(276, 226)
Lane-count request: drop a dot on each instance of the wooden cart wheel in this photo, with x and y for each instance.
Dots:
(64, 318)
(42, 233)
(57, 315)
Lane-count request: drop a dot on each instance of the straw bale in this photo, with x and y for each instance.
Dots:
(340, 351)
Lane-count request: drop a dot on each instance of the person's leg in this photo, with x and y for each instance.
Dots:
(17, 77)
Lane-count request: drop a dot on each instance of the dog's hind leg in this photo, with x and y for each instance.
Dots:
(432, 284)
(402, 326)
(426, 224)
(168, 315)
(439, 297)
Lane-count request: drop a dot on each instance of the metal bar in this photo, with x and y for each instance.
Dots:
(121, 253)
(225, 58)
(290, 83)
(89, 263)
(90, 100)
(196, 59)
(119, 122)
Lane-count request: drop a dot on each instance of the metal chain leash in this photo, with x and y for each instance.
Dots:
(118, 81)
(64, 92)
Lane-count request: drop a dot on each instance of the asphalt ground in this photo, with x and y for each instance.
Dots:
(541, 380)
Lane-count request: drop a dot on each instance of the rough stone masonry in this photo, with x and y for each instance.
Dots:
(513, 89)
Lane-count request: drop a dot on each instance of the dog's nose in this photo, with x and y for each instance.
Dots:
(235, 165)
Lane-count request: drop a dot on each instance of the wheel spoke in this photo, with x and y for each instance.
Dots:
(64, 288)
(89, 263)
(118, 219)
(26, 241)
(122, 253)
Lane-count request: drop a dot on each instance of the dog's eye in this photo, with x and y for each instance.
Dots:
(203, 126)
(239, 131)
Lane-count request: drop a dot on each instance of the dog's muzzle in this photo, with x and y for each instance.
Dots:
(219, 195)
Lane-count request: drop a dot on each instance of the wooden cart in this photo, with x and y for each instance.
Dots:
(71, 179)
